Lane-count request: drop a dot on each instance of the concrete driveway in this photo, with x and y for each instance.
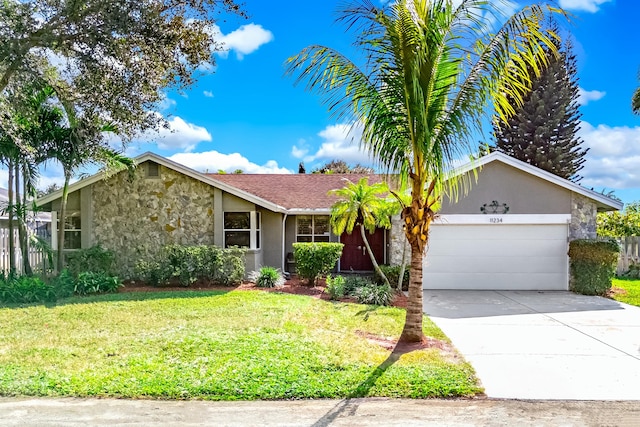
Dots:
(543, 345)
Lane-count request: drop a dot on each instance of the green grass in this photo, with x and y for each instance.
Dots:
(219, 346)
(632, 288)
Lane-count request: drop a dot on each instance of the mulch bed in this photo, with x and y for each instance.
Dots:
(291, 286)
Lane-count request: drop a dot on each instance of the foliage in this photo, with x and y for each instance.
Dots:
(316, 259)
(25, 289)
(392, 272)
(267, 277)
(354, 282)
(95, 259)
(63, 283)
(128, 52)
(543, 130)
(432, 74)
(593, 265)
(188, 264)
(374, 294)
(341, 167)
(336, 286)
(90, 282)
(620, 224)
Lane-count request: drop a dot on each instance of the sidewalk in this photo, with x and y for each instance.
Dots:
(315, 413)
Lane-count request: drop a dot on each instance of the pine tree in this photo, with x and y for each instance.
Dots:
(543, 132)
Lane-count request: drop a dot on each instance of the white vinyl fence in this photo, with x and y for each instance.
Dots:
(629, 253)
(37, 257)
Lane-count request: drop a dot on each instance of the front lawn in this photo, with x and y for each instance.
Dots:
(220, 346)
(631, 288)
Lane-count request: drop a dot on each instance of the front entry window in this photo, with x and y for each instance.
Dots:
(242, 229)
(312, 228)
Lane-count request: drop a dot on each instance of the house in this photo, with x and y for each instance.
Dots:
(474, 243)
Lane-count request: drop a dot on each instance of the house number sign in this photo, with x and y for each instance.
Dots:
(495, 220)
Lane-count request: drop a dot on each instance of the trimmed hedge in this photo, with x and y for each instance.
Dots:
(593, 265)
(316, 259)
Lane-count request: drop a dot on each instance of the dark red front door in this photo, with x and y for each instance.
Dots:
(354, 254)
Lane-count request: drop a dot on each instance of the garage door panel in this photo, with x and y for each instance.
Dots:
(497, 256)
(482, 264)
(495, 281)
(497, 248)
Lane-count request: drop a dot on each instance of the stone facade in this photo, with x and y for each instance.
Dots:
(137, 216)
(583, 218)
(397, 241)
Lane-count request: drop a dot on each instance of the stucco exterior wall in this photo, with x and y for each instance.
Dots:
(523, 193)
(137, 217)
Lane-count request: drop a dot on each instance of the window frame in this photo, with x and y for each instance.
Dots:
(313, 234)
(254, 230)
(67, 230)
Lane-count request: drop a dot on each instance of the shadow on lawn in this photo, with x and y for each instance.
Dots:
(125, 296)
(350, 404)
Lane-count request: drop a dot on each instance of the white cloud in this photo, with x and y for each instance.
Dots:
(243, 41)
(586, 96)
(179, 135)
(613, 158)
(208, 93)
(166, 103)
(300, 150)
(212, 161)
(341, 141)
(583, 5)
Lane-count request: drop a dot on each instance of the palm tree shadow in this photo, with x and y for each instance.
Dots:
(350, 404)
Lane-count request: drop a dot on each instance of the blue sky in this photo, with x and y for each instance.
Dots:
(245, 114)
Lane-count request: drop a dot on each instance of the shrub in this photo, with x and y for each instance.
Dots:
(354, 282)
(593, 265)
(25, 289)
(95, 283)
(267, 277)
(188, 264)
(316, 259)
(393, 274)
(95, 259)
(63, 284)
(374, 294)
(336, 287)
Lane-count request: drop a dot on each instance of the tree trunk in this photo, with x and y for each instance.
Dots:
(376, 267)
(10, 212)
(61, 222)
(412, 332)
(21, 216)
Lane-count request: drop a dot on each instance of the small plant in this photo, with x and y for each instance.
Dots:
(63, 284)
(25, 289)
(95, 283)
(267, 277)
(373, 294)
(354, 282)
(316, 259)
(393, 274)
(336, 287)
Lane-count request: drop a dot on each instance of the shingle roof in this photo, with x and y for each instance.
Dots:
(292, 191)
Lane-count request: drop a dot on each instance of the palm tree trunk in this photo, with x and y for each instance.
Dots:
(10, 212)
(412, 332)
(376, 267)
(61, 222)
(21, 215)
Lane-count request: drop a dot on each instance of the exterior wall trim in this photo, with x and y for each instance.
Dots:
(503, 219)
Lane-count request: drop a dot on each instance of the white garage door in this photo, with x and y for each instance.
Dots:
(497, 256)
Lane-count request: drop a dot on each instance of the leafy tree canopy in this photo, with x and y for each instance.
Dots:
(340, 166)
(620, 223)
(112, 57)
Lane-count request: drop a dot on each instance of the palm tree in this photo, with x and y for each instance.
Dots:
(635, 101)
(432, 73)
(360, 204)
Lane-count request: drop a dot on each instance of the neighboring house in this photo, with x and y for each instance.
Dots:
(39, 222)
(166, 203)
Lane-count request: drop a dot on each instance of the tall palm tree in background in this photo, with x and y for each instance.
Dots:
(360, 205)
(431, 73)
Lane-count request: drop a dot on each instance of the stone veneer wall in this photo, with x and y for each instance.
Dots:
(397, 240)
(136, 218)
(583, 218)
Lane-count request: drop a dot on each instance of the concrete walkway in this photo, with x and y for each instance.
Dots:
(544, 345)
(313, 413)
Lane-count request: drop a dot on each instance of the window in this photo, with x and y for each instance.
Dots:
(242, 229)
(153, 170)
(312, 228)
(72, 231)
